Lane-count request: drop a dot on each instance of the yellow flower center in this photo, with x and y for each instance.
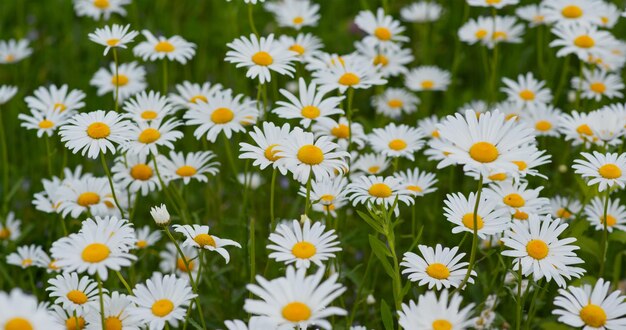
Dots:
(112, 323)
(9, 58)
(468, 221)
(142, 244)
(483, 152)
(71, 323)
(44, 124)
(381, 59)
(162, 307)
(428, 84)
(497, 177)
(438, 271)
(101, 4)
(141, 172)
(492, 2)
(499, 35)
(537, 249)
(205, 240)
(77, 297)
(60, 106)
(414, 188)
(164, 47)
(297, 48)
(149, 115)
(98, 130)
(27, 262)
(610, 171)
(222, 115)
(444, 324)
(521, 165)
(310, 111)
(543, 125)
(186, 170)
(296, 312)
(310, 154)
(119, 80)
(262, 58)
(397, 144)
(149, 135)
(593, 316)
(572, 11)
(584, 129)
(198, 97)
(514, 200)
(112, 42)
(349, 79)
(380, 190)
(610, 222)
(95, 252)
(435, 134)
(383, 33)
(520, 215)
(598, 87)
(298, 20)
(88, 198)
(341, 132)
(5, 233)
(563, 213)
(481, 33)
(584, 41)
(180, 263)
(303, 250)
(270, 153)
(527, 95)
(373, 169)
(327, 198)
(395, 103)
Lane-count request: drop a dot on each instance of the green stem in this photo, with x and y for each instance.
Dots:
(251, 19)
(49, 153)
(252, 251)
(272, 191)
(101, 301)
(164, 77)
(533, 304)
(307, 203)
(605, 233)
(229, 155)
(119, 275)
(349, 116)
(562, 80)
(117, 85)
(108, 173)
(518, 319)
(5, 159)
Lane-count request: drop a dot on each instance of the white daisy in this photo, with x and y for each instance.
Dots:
(615, 214)
(95, 132)
(575, 127)
(395, 102)
(130, 79)
(378, 190)
(6, 93)
(113, 36)
(598, 83)
(194, 165)
(545, 118)
(534, 14)
(477, 30)
(490, 219)
(396, 141)
(607, 170)
(419, 183)
(518, 199)
(571, 12)
(44, 122)
(73, 292)
(350, 71)
(305, 44)
(586, 42)
(173, 262)
(427, 78)
(10, 228)
(527, 91)
(26, 256)
(428, 126)
(327, 195)
(117, 308)
(13, 51)
(193, 93)
(439, 267)
(498, 4)
(431, 312)
(372, 163)
(146, 237)
(341, 132)
(310, 106)
(294, 13)
(564, 208)
(421, 12)
(266, 140)
(98, 9)
(391, 61)
(136, 173)
(151, 106)
(381, 28)
(56, 98)
(198, 236)
(20, 311)
(146, 137)
(608, 124)
(88, 194)
(174, 48)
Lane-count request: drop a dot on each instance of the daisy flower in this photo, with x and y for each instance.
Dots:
(174, 48)
(545, 118)
(506, 29)
(418, 183)
(72, 292)
(439, 267)
(261, 56)
(67, 320)
(113, 36)
(192, 93)
(431, 312)
(10, 228)
(564, 208)
(591, 307)
(598, 83)
(221, 113)
(146, 237)
(527, 91)
(607, 15)
(44, 122)
(348, 72)
(310, 106)
(198, 236)
(428, 126)
(538, 251)
(518, 199)
(615, 214)
(146, 137)
(586, 42)
(296, 300)
(56, 98)
(498, 4)
(378, 190)
(13, 51)
(341, 132)
(194, 165)
(89, 194)
(98, 9)
(427, 78)
(607, 170)
(305, 44)
(173, 262)
(608, 124)
(117, 308)
(571, 12)
(395, 102)
(396, 141)
(151, 106)
(307, 157)
(6, 93)
(476, 30)
(390, 61)
(533, 14)
(575, 127)
(266, 140)
(162, 299)
(327, 195)
(372, 163)
(381, 28)
(255, 322)
(251, 180)
(295, 14)
(130, 79)
(21, 311)
(303, 245)
(96, 248)
(136, 173)
(95, 132)
(421, 12)
(490, 219)
(26, 256)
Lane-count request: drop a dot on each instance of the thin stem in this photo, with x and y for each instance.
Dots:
(101, 300)
(5, 159)
(520, 307)
(562, 80)
(252, 251)
(605, 233)
(49, 153)
(117, 80)
(272, 191)
(349, 116)
(119, 275)
(164, 76)
(533, 304)
(108, 173)
(307, 203)
(251, 19)
(229, 155)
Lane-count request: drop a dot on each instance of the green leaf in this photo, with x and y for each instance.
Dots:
(553, 326)
(385, 314)
(195, 324)
(618, 235)
(590, 246)
(373, 223)
(381, 252)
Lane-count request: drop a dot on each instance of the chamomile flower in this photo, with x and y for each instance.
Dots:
(146, 137)
(538, 251)
(390, 61)
(345, 72)
(255, 322)
(428, 126)
(477, 30)
(310, 106)
(198, 236)
(73, 292)
(44, 122)
(395, 102)
(10, 228)
(575, 127)
(151, 106)
(518, 199)
(371, 164)
(98, 9)
(534, 14)
(221, 113)
(396, 141)
(194, 165)
(615, 214)
(192, 93)
(117, 308)
(146, 237)
(607, 170)
(113, 36)
(98, 247)
(260, 56)
(327, 195)
(162, 299)
(6, 93)
(296, 300)
(26, 256)
(607, 15)
(13, 51)
(95, 132)
(307, 157)
(586, 42)
(427, 78)
(421, 12)
(598, 83)
(490, 219)
(506, 30)
(527, 91)
(173, 262)
(571, 12)
(130, 79)
(381, 28)
(378, 190)
(342, 132)
(564, 207)
(431, 312)
(56, 99)
(439, 267)
(174, 48)
(135, 172)
(89, 194)
(419, 183)
(498, 4)
(305, 44)
(20, 311)
(266, 140)
(294, 13)
(608, 124)
(591, 307)
(544, 118)
(66, 319)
